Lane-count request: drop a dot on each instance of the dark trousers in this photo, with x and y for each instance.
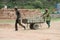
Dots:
(18, 21)
(48, 23)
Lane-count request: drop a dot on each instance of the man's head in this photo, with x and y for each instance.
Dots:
(46, 10)
(15, 8)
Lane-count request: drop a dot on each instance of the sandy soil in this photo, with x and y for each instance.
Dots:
(7, 32)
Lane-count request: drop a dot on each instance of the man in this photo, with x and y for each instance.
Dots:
(18, 20)
(47, 17)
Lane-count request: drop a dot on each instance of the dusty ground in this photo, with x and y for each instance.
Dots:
(7, 32)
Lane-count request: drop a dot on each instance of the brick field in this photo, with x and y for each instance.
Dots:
(7, 32)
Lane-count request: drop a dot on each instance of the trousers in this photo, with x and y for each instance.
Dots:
(18, 21)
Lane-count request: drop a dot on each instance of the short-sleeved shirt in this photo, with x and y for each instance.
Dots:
(47, 17)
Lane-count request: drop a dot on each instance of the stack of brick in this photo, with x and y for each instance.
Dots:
(10, 13)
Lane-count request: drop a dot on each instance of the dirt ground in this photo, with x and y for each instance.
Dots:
(7, 32)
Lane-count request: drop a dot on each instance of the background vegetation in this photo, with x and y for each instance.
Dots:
(29, 3)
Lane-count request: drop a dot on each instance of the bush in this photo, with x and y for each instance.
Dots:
(1, 6)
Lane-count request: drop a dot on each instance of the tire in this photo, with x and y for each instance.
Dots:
(31, 26)
(34, 26)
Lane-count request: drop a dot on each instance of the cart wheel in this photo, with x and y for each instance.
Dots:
(31, 25)
(35, 26)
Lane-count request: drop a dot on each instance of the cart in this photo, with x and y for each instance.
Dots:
(32, 17)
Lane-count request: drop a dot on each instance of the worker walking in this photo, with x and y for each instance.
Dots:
(47, 17)
(18, 20)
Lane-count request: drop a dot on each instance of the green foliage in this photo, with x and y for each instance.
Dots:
(37, 4)
(1, 6)
(30, 3)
